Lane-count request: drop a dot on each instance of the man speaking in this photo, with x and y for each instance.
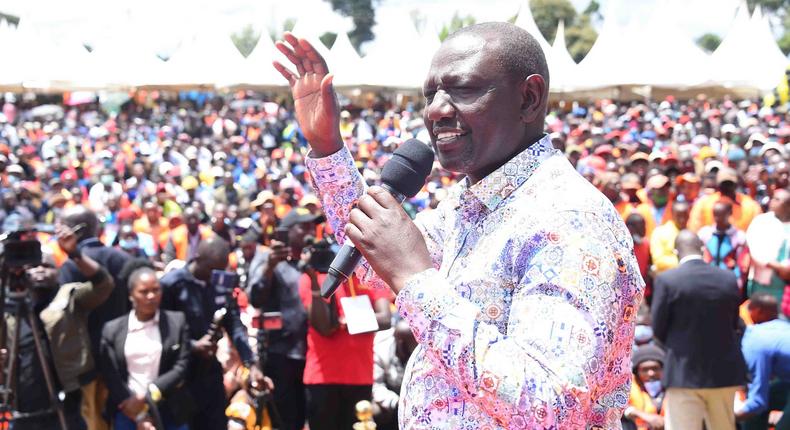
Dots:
(521, 288)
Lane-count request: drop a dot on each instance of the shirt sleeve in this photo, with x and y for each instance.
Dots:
(340, 186)
(570, 329)
(759, 366)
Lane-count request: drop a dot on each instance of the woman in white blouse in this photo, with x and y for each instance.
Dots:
(144, 359)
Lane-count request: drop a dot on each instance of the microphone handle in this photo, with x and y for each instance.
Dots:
(348, 258)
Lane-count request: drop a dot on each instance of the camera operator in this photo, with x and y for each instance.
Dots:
(335, 382)
(117, 304)
(275, 288)
(63, 314)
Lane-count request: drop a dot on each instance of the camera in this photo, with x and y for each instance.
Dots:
(321, 255)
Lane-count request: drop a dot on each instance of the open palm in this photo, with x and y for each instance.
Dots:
(315, 102)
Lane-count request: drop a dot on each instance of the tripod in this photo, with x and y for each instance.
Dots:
(264, 400)
(23, 312)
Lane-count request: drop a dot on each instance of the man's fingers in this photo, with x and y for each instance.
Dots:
(307, 63)
(383, 197)
(369, 206)
(354, 234)
(291, 55)
(287, 74)
(327, 92)
(319, 64)
(358, 218)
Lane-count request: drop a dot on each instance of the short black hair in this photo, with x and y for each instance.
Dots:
(82, 215)
(519, 54)
(764, 301)
(133, 269)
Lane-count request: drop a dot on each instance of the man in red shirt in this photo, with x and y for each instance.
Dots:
(339, 366)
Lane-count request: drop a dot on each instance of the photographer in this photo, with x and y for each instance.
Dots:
(63, 314)
(190, 290)
(275, 288)
(345, 324)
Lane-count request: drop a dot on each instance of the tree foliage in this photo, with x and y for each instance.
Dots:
(579, 32)
(362, 14)
(328, 39)
(245, 39)
(456, 23)
(549, 13)
(709, 42)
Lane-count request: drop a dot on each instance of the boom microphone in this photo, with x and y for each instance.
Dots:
(403, 176)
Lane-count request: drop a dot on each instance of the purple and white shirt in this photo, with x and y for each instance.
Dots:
(527, 318)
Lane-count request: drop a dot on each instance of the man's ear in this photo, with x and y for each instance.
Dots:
(534, 93)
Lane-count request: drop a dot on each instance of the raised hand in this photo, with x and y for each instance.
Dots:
(315, 102)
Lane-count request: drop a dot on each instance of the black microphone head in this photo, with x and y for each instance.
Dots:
(408, 168)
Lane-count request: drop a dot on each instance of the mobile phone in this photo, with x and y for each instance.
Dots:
(78, 228)
(281, 235)
(224, 281)
(272, 320)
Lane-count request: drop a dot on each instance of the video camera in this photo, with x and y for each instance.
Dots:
(321, 254)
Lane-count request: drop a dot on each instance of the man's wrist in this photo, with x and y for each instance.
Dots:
(76, 254)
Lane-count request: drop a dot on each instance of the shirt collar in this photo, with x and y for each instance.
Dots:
(688, 258)
(499, 184)
(136, 325)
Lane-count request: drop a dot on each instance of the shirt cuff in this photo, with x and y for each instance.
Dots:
(429, 300)
(332, 167)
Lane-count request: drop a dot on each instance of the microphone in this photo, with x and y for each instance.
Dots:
(403, 176)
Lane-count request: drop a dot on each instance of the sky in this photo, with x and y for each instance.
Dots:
(160, 25)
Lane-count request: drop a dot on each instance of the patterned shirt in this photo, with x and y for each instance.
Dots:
(527, 318)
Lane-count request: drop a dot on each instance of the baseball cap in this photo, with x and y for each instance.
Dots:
(263, 197)
(298, 216)
(656, 182)
(726, 174)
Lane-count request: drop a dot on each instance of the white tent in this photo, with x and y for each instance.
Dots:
(345, 63)
(748, 61)
(205, 60)
(257, 71)
(11, 77)
(398, 57)
(526, 21)
(562, 68)
(50, 65)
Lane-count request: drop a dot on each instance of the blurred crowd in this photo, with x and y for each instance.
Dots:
(163, 176)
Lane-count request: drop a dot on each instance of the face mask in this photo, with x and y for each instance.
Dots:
(637, 241)
(643, 334)
(660, 201)
(128, 243)
(653, 388)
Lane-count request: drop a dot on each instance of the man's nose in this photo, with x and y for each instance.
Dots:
(440, 107)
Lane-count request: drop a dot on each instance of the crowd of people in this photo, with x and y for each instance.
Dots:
(153, 203)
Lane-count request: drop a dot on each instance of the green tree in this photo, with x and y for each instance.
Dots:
(580, 38)
(362, 14)
(456, 23)
(245, 39)
(14, 20)
(328, 39)
(709, 42)
(548, 13)
(770, 6)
